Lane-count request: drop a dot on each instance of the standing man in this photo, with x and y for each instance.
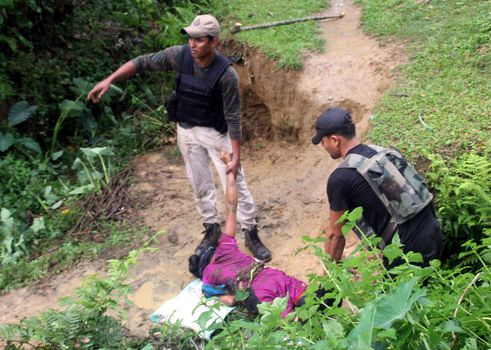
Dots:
(391, 203)
(206, 107)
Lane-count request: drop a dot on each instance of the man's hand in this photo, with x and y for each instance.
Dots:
(125, 71)
(99, 90)
(225, 157)
(232, 163)
(233, 167)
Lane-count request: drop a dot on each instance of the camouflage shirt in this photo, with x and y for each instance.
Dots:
(168, 60)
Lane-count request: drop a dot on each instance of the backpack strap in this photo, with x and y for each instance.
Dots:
(355, 161)
(361, 164)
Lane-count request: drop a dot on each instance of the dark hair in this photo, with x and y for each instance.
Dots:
(197, 263)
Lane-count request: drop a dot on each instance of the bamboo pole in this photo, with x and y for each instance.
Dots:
(238, 26)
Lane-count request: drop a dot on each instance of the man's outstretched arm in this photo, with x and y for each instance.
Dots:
(230, 199)
(125, 71)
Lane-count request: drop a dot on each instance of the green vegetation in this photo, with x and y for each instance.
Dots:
(56, 148)
(284, 44)
(57, 255)
(410, 308)
(443, 92)
(463, 187)
(443, 97)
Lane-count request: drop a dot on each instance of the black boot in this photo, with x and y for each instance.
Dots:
(212, 235)
(254, 244)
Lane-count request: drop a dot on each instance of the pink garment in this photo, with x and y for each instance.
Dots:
(267, 285)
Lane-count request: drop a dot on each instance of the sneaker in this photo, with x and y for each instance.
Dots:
(212, 235)
(254, 244)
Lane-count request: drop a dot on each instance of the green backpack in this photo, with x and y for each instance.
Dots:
(396, 182)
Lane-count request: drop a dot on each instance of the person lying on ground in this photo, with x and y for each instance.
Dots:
(225, 270)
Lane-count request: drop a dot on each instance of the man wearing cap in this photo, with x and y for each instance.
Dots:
(347, 189)
(206, 107)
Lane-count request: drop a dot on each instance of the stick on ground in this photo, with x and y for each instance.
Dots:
(238, 26)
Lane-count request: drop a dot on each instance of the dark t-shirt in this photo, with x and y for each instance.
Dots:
(347, 190)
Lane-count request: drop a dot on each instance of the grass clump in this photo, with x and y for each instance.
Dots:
(284, 44)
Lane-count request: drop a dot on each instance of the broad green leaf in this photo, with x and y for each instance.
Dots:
(108, 112)
(56, 205)
(387, 333)
(30, 143)
(10, 42)
(332, 327)
(88, 121)
(116, 89)
(38, 225)
(71, 107)
(6, 218)
(6, 140)
(81, 86)
(241, 295)
(487, 257)
(394, 306)
(360, 337)
(470, 344)
(20, 112)
(97, 151)
(56, 155)
(451, 326)
(49, 195)
(82, 189)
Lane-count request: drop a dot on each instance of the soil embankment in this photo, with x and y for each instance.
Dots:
(285, 172)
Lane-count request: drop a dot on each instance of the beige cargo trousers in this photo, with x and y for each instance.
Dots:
(199, 145)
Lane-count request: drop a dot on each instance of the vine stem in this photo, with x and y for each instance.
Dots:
(455, 337)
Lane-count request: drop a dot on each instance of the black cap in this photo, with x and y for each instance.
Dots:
(333, 121)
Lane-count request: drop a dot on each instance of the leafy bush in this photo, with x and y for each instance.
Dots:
(84, 322)
(26, 184)
(463, 199)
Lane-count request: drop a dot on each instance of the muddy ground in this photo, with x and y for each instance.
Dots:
(285, 172)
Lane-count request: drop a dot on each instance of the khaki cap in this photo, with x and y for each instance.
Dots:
(203, 25)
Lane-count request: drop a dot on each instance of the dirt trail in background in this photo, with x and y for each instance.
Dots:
(285, 172)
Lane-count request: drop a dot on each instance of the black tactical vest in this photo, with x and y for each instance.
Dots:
(198, 101)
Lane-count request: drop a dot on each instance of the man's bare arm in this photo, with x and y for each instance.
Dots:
(335, 242)
(231, 199)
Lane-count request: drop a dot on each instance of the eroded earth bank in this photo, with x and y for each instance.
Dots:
(285, 172)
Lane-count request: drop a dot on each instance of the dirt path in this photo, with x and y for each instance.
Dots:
(286, 174)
